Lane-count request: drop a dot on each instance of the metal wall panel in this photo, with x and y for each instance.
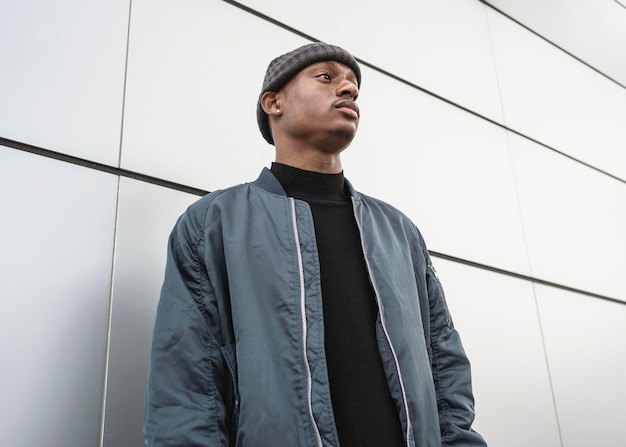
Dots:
(56, 235)
(590, 30)
(557, 100)
(574, 219)
(585, 345)
(62, 77)
(195, 71)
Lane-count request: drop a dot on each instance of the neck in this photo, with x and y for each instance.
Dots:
(311, 154)
(316, 161)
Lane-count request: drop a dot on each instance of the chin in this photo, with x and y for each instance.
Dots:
(345, 135)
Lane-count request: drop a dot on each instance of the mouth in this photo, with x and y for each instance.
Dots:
(349, 107)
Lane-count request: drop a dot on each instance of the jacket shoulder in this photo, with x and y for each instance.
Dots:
(193, 220)
(200, 207)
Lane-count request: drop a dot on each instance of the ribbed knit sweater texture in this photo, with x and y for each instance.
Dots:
(365, 414)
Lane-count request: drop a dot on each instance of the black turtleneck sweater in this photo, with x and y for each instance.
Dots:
(365, 414)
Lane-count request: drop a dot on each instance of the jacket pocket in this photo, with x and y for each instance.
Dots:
(230, 357)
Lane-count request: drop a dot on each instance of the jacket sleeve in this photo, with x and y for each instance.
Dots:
(451, 371)
(184, 402)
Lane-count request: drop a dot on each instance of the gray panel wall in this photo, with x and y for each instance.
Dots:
(507, 152)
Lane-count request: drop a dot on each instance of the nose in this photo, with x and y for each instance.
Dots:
(348, 88)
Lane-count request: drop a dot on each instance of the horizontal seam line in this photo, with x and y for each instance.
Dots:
(524, 277)
(100, 166)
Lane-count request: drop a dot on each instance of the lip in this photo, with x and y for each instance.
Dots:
(350, 105)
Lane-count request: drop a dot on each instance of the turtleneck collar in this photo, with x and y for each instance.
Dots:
(310, 185)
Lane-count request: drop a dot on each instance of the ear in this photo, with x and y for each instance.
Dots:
(270, 103)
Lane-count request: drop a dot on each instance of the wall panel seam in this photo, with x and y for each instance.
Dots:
(526, 277)
(107, 351)
(99, 166)
(107, 355)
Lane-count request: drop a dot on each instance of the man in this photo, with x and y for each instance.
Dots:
(298, 312)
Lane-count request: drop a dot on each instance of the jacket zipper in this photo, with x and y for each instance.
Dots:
(382, 321)
(307, 367)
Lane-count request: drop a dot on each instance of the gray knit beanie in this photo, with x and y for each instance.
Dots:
(283, 68)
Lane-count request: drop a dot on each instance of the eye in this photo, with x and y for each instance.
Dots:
(324, 76)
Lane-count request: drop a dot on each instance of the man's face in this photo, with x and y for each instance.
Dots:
(318, 105)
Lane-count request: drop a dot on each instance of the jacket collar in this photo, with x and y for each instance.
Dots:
(270, 183)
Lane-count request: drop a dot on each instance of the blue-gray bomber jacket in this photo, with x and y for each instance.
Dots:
(238, 346)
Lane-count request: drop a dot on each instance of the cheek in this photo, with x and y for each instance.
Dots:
(307, 101)
(303, 104)
(304, 112)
